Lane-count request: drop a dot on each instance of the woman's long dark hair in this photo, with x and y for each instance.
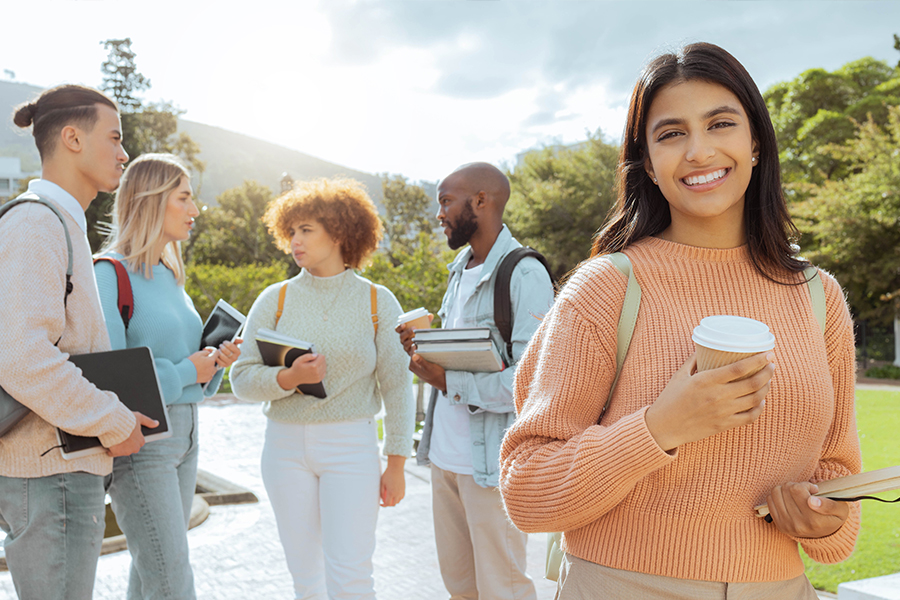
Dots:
(641, 209)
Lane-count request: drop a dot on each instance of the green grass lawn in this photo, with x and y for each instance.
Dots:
(878, 548)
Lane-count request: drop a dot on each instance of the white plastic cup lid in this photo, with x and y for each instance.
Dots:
(728, 333)
(412, 315)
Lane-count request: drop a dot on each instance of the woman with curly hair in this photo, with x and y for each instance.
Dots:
(320, 461)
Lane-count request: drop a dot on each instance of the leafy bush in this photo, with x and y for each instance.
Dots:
(238, 285)
(884, 372)
(416, 274)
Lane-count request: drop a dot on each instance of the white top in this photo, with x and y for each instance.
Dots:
(451, 444)
(66, 201)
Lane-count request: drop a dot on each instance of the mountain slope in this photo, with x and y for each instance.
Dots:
(230, 157)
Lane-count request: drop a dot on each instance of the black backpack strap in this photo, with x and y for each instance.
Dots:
(123, 283)
(502, 301)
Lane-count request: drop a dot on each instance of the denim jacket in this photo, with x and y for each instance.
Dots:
(489, 395)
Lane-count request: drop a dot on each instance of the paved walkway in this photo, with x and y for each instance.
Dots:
(236, 553)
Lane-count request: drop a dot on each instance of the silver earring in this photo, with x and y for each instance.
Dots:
(753, 159)
(654, 180)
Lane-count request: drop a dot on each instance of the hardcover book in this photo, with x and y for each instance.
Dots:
(131, 374)
(853, 486)
(224, 324)
(461, 355)
(279, 350)
(461, 333)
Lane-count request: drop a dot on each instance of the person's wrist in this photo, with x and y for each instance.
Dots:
(285, 380)
(658, 432)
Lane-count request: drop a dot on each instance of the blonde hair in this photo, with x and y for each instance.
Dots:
(139, 213)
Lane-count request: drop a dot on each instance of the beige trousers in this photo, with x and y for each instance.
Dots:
(481, 554)
(583, 580)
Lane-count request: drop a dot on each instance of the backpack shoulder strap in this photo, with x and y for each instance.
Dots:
(38, 199)
(126, 297)
(630, 306)
(816, 294)
(374, 306)
(281, 294)
(502, 300)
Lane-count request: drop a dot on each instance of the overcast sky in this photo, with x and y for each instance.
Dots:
(418, 87)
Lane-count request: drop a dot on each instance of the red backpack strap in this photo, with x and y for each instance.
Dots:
(126, 298)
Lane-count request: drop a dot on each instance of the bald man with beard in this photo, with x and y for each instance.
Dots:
(481, 554)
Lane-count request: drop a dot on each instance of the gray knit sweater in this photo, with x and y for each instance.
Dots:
(363, 369)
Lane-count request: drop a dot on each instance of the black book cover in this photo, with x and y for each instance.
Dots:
(222, 325)
(281, 355)
(131, 375)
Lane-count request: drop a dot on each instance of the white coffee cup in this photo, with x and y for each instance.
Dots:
(417, 319)
(724, 339)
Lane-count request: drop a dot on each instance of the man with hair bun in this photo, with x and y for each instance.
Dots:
(481, 554)
(53, 509)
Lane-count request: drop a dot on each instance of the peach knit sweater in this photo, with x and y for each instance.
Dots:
(33, 260)
(623, 502)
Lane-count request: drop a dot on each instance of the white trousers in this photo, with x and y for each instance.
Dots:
(323, 481)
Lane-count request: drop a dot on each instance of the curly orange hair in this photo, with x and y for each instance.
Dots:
(340, 205)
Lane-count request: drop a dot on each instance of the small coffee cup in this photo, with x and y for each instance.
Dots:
(416, 319)
(725, 339)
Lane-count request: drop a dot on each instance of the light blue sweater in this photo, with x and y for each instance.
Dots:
(165, 321)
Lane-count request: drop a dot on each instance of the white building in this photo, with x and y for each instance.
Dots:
(10, 177)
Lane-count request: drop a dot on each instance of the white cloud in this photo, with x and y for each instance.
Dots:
(420, 87)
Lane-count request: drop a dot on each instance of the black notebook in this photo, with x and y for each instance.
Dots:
(131, 375)
(279, 350)
(223, 325)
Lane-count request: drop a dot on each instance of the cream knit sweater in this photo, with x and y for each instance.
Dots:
(363, 369)
(33, 261)
(623, 502)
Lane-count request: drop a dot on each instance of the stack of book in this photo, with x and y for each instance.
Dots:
(463, 349)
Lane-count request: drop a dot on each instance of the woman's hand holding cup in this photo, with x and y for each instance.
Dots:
(728, 390)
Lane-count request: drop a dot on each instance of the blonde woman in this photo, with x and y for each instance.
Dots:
(152, 491)
(320, 462)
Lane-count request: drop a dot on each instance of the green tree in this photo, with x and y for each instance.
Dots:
(560, 197)
(233, 233)
(819, 108)
(237, 285)
(145, 128)
(854, 222)
(407, 211)
(897, 47)
(413, 262)
(416, 273)
(121, 78)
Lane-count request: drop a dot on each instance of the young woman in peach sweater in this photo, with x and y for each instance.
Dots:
(657, 500)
